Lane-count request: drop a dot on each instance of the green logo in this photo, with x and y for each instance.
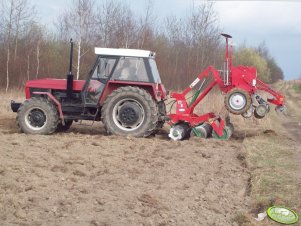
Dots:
(282, 215)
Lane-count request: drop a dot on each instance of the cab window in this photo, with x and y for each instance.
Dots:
(131, 69)
(103, 68)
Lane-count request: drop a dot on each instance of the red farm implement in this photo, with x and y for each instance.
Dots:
(240, 86)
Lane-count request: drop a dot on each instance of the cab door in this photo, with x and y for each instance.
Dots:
(98, 79)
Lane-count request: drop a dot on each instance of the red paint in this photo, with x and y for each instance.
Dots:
(48, 83)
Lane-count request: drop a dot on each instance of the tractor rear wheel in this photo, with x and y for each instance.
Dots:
(238, 101)
(130, 111)
(37, 115)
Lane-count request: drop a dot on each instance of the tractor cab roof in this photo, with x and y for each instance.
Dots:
(124, 52)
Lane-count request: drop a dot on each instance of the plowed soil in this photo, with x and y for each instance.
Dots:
(84, 177)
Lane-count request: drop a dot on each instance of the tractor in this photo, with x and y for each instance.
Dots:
(123, 90)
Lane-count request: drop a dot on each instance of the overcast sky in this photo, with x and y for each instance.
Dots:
(278, 23)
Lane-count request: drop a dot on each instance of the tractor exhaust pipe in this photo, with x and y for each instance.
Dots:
(70, 75)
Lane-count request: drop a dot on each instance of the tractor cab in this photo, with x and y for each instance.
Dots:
(119, 66)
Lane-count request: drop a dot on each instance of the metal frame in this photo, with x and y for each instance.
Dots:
(241, 77)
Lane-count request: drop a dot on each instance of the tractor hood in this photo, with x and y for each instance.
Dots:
(57, 84)
(52, 84)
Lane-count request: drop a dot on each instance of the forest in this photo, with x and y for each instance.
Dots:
(184, 45)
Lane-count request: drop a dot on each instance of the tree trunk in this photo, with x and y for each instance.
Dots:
(16, 47)
(28, 67)
(38, 59)
(78, 58)
(7, 70)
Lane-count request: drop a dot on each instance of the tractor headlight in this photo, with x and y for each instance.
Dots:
(254, 82)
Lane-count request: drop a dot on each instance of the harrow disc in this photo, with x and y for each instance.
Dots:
(204, 130)
(180, 131)
(227, 133)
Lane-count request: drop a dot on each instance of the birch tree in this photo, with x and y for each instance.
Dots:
(9, 12)
(146, 23)
(24, 13)
(115, 25)
(78, 22)
(16, 13)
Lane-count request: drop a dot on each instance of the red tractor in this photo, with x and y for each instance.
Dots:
(123, 90)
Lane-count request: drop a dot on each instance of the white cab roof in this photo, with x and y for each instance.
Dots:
(124, 52)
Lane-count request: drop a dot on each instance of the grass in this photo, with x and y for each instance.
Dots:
(5, 99)
(297, 87)
(273, 181)
(270, 158)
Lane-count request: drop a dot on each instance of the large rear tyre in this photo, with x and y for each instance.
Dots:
(238, 101)
(37, 115)
(130, 111)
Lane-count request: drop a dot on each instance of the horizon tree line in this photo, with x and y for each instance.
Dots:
(184, 45)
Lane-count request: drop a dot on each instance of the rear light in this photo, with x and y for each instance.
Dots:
(254, 82)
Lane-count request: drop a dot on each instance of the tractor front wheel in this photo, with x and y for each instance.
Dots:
(37, 115)
(130, 111)
(237, 101)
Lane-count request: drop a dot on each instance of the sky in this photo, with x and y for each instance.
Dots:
(278, 23)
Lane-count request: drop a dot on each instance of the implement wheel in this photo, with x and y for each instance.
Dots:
(238, 101)
(130, 111)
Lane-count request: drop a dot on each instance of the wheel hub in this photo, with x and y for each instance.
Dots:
(129, 113)
(237, 101)
(37, 118)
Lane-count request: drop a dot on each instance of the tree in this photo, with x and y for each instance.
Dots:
(145, 31)
(16, 13)
(194, 44)
(33, 40)
(78, 21)
(115, 25)
(275, 71)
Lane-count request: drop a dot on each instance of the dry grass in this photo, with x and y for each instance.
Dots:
(274, 159)
(270, 159)
(5, 99)
(268, 151)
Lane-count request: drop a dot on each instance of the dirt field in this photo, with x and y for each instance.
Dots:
(84, 177)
